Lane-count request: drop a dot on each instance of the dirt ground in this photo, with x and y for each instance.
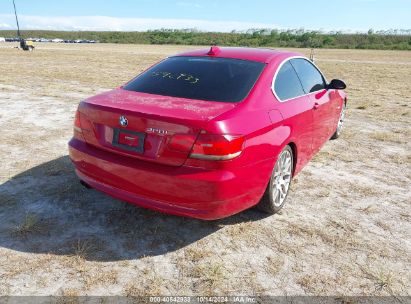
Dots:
(346, 228)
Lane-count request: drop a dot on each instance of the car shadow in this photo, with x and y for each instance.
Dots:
(46, 210)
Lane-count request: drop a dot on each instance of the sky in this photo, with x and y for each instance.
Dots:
(207, 15)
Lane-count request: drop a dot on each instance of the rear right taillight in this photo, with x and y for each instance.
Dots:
(217, 146)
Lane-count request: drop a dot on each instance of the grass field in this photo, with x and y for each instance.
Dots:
(346, 229)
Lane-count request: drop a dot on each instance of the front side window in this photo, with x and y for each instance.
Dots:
(287, 85)
(205, 78)
(310, 77)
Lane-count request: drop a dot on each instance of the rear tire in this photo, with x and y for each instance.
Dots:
(276, 194)
(340, 123)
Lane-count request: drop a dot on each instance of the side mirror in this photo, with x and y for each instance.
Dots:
(337, 84)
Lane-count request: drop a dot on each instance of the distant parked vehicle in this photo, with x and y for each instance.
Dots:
(12, 39)
(2, 39)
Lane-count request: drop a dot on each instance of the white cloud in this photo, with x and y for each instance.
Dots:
(104, 23)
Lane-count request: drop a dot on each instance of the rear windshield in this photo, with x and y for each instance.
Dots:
(215, 79)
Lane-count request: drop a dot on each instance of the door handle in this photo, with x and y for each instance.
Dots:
(316, 106)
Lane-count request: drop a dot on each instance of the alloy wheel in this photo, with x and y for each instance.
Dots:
(282, 178)
(341, 120)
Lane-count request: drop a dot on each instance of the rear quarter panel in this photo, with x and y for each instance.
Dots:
(268, 127)
(268, 124)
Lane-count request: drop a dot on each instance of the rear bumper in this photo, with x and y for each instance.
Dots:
(185, 191)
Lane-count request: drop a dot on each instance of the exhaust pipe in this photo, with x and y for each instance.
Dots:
(85, 185)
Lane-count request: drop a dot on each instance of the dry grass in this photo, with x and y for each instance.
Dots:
(390, 137)
(274, 265)
(18, 265)
(196, 253)
(81, 249)
(344, 231)
(70, 292)
(151, 286)
(7, 200)
(210, 277)
(29, 225)
(382, 279)
(100, 278)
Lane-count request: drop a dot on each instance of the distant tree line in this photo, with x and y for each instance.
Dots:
(386, 40)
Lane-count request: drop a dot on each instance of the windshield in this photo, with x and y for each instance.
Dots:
(205, 78)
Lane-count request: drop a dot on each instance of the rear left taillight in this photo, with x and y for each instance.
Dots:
(182, 142)
(77, 126)
(217, 147)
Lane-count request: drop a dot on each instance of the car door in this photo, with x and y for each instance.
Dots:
(315, 87)
(296, 110)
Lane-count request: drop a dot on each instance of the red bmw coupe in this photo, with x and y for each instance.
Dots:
(208, 133)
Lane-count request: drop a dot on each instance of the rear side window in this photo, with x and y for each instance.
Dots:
(311, 78)
(287, 85)
(205, 78)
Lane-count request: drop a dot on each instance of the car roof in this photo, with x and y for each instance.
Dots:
(254, 54)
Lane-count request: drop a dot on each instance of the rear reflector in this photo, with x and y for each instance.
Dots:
(217, 147)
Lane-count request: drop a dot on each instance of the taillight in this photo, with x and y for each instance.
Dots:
(181, 142)
(77, 126)
(217, 147)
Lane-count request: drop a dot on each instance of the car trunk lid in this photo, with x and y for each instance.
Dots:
(155, 128)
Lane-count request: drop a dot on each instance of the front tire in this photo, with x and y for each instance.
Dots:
(279, 185)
